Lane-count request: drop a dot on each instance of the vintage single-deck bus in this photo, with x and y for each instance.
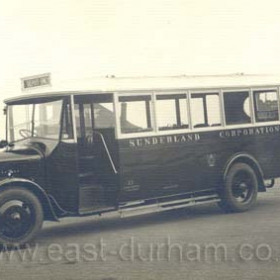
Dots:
(135, 146)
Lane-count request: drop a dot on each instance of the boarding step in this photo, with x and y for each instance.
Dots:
(141, 207)
(91, 197)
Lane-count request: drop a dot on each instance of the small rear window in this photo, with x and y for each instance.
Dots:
(266, 105)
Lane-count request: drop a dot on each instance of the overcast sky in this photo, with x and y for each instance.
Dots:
(84, 38)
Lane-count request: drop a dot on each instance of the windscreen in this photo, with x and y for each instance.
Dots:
(34, 120)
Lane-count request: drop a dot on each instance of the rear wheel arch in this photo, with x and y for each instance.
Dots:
(250, 161)
(240, 189)
(49, 212)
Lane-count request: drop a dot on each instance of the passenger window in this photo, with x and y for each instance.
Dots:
(266, 105)
(135, 114)
(205, 110)
(172, 112)
(237, 107)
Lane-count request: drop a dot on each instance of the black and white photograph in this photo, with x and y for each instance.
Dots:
(139, 140)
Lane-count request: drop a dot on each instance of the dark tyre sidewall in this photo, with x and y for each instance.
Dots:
(228, 202)
(17, 193)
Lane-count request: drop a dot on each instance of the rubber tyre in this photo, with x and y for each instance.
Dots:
(28, 198)
(229, 201)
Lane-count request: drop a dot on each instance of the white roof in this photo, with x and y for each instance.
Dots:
(116, 84)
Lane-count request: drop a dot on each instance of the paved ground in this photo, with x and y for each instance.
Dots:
(198, 243)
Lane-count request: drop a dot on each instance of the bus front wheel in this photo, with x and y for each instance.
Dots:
(240, 189)
(21, 216)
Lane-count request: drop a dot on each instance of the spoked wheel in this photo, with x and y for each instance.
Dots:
(21, 216)
(241, 187)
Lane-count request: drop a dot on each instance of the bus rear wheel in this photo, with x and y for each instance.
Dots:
(21, 216)
(240, 190)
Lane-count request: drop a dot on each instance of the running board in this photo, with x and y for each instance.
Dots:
(142, 208)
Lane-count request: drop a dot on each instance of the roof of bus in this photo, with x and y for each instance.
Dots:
(130, 84)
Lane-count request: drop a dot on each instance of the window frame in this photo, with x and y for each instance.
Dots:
(176, 130)
(265, 89)
(10, 119)
(116, 104)
(251, 108)
(220, 91)
(80, 100)
(214, 91)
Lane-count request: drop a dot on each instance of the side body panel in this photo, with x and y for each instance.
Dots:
(172, 164)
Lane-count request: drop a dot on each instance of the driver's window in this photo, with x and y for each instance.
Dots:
(67, 127)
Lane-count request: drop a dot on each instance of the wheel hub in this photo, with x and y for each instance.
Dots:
(15, 216)
(242, 188)
(15, 219)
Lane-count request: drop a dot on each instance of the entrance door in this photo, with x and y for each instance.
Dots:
(96, 152)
